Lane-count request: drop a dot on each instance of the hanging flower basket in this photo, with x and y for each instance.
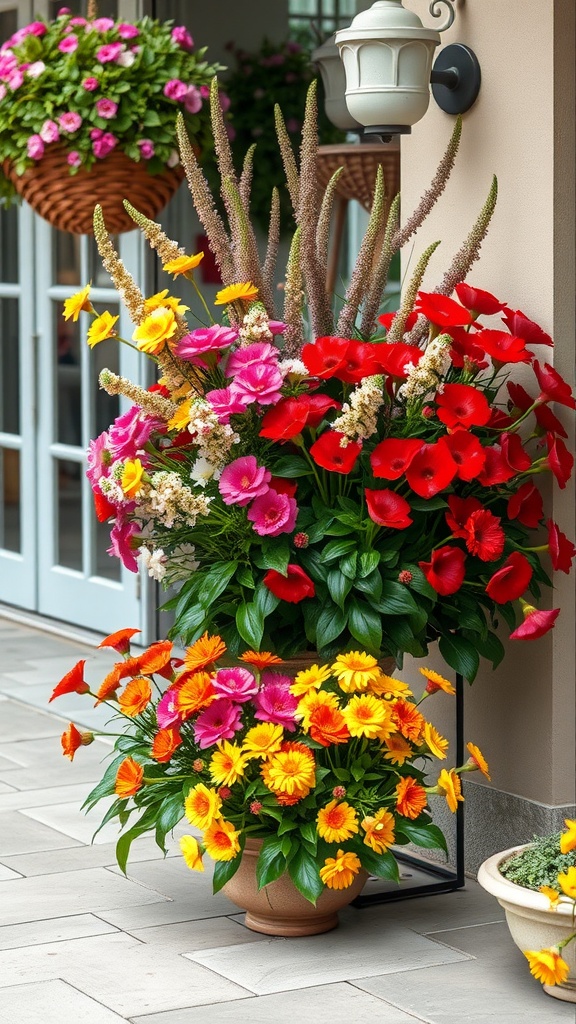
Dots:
(68, 202)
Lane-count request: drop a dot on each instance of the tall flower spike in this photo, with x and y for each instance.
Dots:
(157, 239)
(124, 283)
(294, 299)
(224, 160)
(362, 273)
(245, 248)
(245, 183)
(288, 159)
(151, 402)
(381, 271)
(432, 195)
(398, 327)
(269, 269)
(323, 229)
(204, 205)
(319, 307)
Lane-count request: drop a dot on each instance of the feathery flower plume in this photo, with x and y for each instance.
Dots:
(362, 272)
(294, 299)
(288, 158)
(319, 306)
(124, 283)
(245, 183)
(323, 229)
(269, 268)
(399, 322)
(245, 247)
(157, 239)
(432, 195)
(380, 273)
(151, 402)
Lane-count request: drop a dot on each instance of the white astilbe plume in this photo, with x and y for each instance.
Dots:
(359, 417)
(255, 326)
(428, 374)
(214, 439)
(154, 562)
(167, 500)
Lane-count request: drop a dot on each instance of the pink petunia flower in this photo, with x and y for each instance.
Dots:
(243, 480)
(35, 147)
(49, 131)
(274, 702)
(106, 108)
(70, 122)
(15, 79)
(127, 31)
(3, 91)
(146, 147)
(68, 44)
(35, 69)
(273, 514)
(181, 35)
(103, 146)
(167, 712)
(175, 89)
(252, 355)
(98, 458)
(35, 28)
(102, 24)
(121, 536)
(74, 159)
(193, 100)
(90, 84)
(80, 22)
(225, 403)
(236, 683)
(109, 52)
(204, 339)
(259, 383)
(218, 722)
(131, 431)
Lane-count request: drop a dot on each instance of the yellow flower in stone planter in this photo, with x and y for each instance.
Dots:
(567, 882)
(221, 840)
(547, 966)
(202, 806)
(568, 838)
(336, 822)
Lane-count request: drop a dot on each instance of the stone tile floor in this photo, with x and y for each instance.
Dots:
(79, 941)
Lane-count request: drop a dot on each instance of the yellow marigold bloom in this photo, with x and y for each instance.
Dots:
(449, 785)
(313, 700)
(202, 806)
(183, 264)
(367, 716)
(192, 853)
(195, 692)
(153, 333)
(552, 894)
(221, 840)
(436, 743)
(245, 291)
(77, 303)
(204, 651)
(168, 301)
(567, 882)
(479, 761)
(227, 764)
(568, 839)
(181, 418)
(101, 328)
(547, 966)
(355, 670)
(387, 686)
(336, 822)
(379, 829)
(397, 749)
(135, 697)
(290, 771)
(263, 740)
(132, 481)
(340, 871)
(436, 682)
(309, 679)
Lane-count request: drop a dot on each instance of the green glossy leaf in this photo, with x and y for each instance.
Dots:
(214, 582)
(336, 549)
(331, 622)
(371, 585)
(339, 586)
(490, 647)
(274, 554)
(224, 870)
(395, 599)
(265, 601)
(365, 625)
(426, 835)
(303, 871)
(460, 654)
(245, 577)
(250, 624)
(369, 560)
(291, 466)
(428, 504)
(348, 565)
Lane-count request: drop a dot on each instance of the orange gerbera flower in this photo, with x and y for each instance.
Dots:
(72, 682)
(547, 966)
(340, 871)
(449, 785)
(155, 658)
(408, 719)
(120, 640)
(479, 761)
(73, 738)
(110, 684)
(436, 682)
(397, 749)
(165, 743)
(336, 822)
(221, 840)
(260, 659)
(328, 726)
(552, 894)
(202, 806)
(411, 798)
(195, 693)
(204, 652)
(128, 778)
(136, 696)
(379, 829)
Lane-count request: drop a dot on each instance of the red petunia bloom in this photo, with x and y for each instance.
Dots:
(484, 535)
(286, 419)
(103, 508)
(388, 509)
(526, 505)
(545, 418)
(496, 469)
(328, 452)
(461, 405)
(460, 511)
(510, 581)
(442, 311)
(445, 571)
(536, 623)
(72, 682)
(559, 460)
(503, 347)
(519, 324)
(394, 358)
(391, 458)
(283, 486)
(479, 302)
(431, 470)
(553, 387)
(514, 453)
(467, 452)
(387, 319)
(562, 550)
(293, 587)
(464, 350)
(318, 406)
(359, 362)
(325, 356)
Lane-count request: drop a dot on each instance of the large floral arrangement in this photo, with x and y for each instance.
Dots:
(91, 85)
(368, 481)
(328, 768)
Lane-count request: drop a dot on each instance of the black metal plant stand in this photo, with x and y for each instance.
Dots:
(441, 879)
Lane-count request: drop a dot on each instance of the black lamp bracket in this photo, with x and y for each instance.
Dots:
(455, 78)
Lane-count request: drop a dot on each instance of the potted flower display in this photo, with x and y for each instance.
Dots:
(87, 114)
(536, 886)
(300, 785)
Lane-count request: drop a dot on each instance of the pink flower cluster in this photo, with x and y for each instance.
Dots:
(244, 482)
(177, 90)
(102, 142)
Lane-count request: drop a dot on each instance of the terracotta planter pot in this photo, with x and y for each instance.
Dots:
(279, 908)
(532, 922)
(67, 201)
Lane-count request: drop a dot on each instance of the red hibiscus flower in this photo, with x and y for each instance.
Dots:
(463, 349)
(461, 405)
(460, 511)
(515, 455)
(559, 460)
(359, 362)
(445, 570)
(328, 452)
(519, 324)
(318, 406)
(394, 358)
(73, 682)
(553, 387)
(503, 347)
(387, 320)
(467, 452)
(496, 469)
(325, 356)
(293, 587)
(526, 505)
(104, 509)
(510, 581)
(283, 486)
(562, 550)
(286, 419)
(536, 623)
(479, 302)
(391, 458)
(388, 509)
(431, 470)
(442, 311)
(484, 535)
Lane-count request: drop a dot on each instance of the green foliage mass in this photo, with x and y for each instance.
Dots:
(540, 864)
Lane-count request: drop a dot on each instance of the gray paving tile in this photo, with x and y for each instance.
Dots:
(71, 821)
(9, 761)
(75, 793)
(338, 1003)
(5, 788)
(18, 833)
(78, 858)
(43, 1002)
(6, 874)
(188, 936)
(428, 914)
(357, 949)
(56, 929)
(70, 707)
(187, 888)
(19, 722)
(43, 763)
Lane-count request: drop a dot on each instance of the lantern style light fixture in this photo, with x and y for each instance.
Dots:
(387, 56)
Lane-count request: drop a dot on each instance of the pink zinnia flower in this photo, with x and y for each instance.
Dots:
(70, 121)
(175, 89)
(181, 35)
(243, 480)
(193, 100)
(90, 84)
(259, 383)
(204, 339)
(35, 28)
(131, 431)
(167, 713)
(218, 722)
(106, 108)
(77, 21)
(121, 536)
(273, 514)
(109, 52)
(68, 44)
(74, 159)
(102, 24)
(146, 147)
(35, 147)
(236, 683)
(225, 403)
(98, 458)
(126, 31)
(252, 355)
(49, 131)
(103, 146)
(274, 702)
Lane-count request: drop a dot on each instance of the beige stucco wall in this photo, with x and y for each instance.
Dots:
(522, 129)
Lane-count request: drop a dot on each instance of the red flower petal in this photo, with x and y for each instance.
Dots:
(328, 452)
(325, 356)
(460, 511)
(467, 452)
(442, 311)
(388, 509)
(510, 581)
(553, 387)
(104, 509)
(394, 357)
(391, 458)
(445, 570)
(562, 550)
(536, 624)
(387, 319)
(526, 505)
(293, 587)
(431, 470)
(496, 469)
(484, 535)
(359, 362)
(72, 682)
(514, 453)
(318, 406)
(480, 303)
(283, 486)
(519, 324)
(560, 460)
(461, 405)
(120, 640)
(286, 419)
(503, 347)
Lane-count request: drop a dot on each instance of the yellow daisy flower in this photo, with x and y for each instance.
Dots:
(436, 682)
(387, 686)
(479, 761)
(568, 839)
(263, 740)
(181, 417)
(182, 264)
(367, 716)
(567, 882)
(168, 301)
(202, 806)
(336, 822)
(221, 840)
(227, 764)
(309, 679)
(192, 853)
(101, 328)
(397, 749)
(449, 785)
(155, 330)
(552, 894)
(77, 303)
(355, 670)
(290, 771)
(379, 829)
(245, 291)
(436, 743)
(131, 481)
(340, 871)
(313, 700)
(547, 966)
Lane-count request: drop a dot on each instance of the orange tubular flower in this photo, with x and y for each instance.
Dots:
(221, 840)
(120, 640)
(128, 778)
(195, 693)
(379, 829)
(328, 726)
(165, 743)
(110, 684)
(204, 652)
(72, 739)
(340, 871)
(72, 682)
(260, 659)
(436, 682)
(411, 798)
(408, 719)
(547, 966)
(136, 696)
(449, 785)
(150, 661)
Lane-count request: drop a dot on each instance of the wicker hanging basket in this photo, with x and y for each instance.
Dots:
(67, 201)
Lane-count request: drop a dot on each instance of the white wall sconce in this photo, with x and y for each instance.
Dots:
(387, 56)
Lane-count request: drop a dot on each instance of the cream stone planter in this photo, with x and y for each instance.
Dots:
(532, 923)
